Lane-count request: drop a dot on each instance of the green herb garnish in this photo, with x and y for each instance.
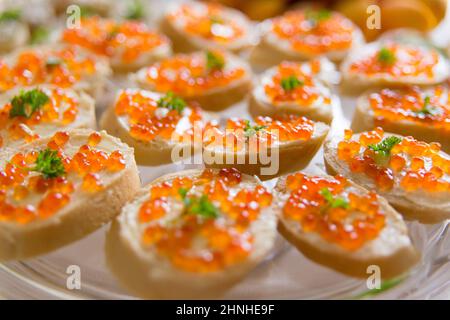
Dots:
(428, 109)
(49, 164)
(198, 206)
(383, 149)
(86, 11)
(385, 285)
(172, 102)
(135, 10)
(216, 19)
(250, 130)
(39, 35)
(316, 16)
(290, 83)
(386, 56)
(214, 61)
(332, 201)
(10, 15)
(27, 102)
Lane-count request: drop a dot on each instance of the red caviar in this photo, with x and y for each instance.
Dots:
(349, 227)
(310, 36)
(187, 75)
(207, 20)
(126, 40)
(32, 67)
(412, 104)
(26, 195)
(226, 240)
(408, 61)
(411, 164)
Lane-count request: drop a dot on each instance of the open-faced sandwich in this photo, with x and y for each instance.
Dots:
(305, 34)
(392, 64)
(62, 66)
(422, 113)
(129, 45)
(56, 190)
(296, 88)
(198, 25)
(343, 226)
(154, 124)
(412, 175)
(31, 113)
(266, 147)
(192, 234)
(215, 79)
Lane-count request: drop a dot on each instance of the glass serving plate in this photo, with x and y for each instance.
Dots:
(285, 274)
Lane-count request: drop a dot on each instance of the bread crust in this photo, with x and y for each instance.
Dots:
(377, 252)
(363, 120)
(154, 278)
(412, 206)
(81, 217)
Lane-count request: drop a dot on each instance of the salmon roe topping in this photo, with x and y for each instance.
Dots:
(208, 21)
(304, 92)
(414, 105)
(188, 75)
(60, 110)
(349, 226)
(62, 67)
(265, 130)
(192, 241)
(27, 194)
(148, 120)
(410, 165)
(402, 61)
(309, 33)
(126, 40)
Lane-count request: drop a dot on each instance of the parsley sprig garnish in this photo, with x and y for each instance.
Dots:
(200, 206)
(332, 201)
(290, 83)
(384, 147)
(49, 164)
(214, 61)
(27, 102)
(250, 130)
(39, 35)
(428, 108)
(386, 56)
(172, 102)
(316, 16)
(10, 15)
(135, 10)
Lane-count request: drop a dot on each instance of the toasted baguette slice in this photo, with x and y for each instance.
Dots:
(134, 46)
(61, 65)
(312, 97)
(421, 200)
(423, 119)
(187, 266)
(350, 252)
(273, 49)
(152, 147)
(50, 212)
(162, 77)
(251, 154)
(15, 34)
(232, 31)
(66, 109)
(394, 56)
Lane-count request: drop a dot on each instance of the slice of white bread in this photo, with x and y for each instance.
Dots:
(421, 128)
(419, 204)
(27, 234)
(60, 102)
(215, 98)
(174, 21)
(272, 49)
(158, 150)
(354, 81)
(149, 274)
(266, 161)
(391, 249)
(320, 109)
(91, 78)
